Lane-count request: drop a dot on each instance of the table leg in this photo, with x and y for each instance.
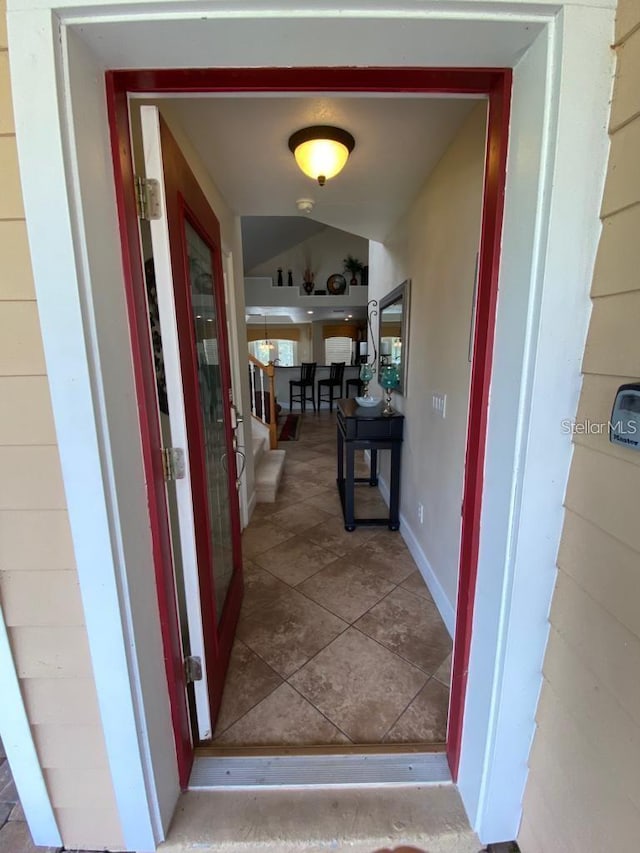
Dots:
(349, 488)
(373, 469)
(394, 488)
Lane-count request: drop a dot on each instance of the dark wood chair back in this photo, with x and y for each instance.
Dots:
(336, 372)
(308, 372)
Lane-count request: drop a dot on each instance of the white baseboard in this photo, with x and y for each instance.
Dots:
(446, 609)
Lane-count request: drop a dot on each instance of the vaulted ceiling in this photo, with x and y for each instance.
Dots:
(399, 140)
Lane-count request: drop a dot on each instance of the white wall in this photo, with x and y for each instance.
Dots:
(435, 246)
(322, 253)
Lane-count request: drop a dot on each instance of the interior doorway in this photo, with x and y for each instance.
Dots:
(494, 85)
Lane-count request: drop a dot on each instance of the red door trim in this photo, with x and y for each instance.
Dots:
(186, 202)
(151, 439)
(492, 82)
(487, 298)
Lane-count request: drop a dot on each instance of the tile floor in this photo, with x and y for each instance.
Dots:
(339, 641)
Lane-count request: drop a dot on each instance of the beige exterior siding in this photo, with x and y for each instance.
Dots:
(583, 792)
(38, 581)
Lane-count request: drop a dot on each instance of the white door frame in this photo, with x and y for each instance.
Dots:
(558, 149)
(153, 168)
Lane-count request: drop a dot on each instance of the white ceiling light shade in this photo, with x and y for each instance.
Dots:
(321, 151)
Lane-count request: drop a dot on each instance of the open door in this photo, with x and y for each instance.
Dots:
(189, 280)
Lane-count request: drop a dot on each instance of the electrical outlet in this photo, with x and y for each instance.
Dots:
(439, 404)
(421, 513)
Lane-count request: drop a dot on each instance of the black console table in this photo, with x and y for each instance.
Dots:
(361, 428)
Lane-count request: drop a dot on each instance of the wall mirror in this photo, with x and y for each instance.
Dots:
(393, 333)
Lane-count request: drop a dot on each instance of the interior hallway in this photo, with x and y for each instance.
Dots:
(339, 641)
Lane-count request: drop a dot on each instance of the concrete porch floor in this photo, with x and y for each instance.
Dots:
(366, 820)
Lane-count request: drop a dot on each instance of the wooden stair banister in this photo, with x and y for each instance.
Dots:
(264, 396)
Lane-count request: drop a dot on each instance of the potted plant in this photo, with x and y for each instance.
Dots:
(354, 266)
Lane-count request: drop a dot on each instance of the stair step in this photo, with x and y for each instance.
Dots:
(268, 475)
(429, 817)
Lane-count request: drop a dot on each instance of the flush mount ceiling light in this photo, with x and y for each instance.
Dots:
(321, 151)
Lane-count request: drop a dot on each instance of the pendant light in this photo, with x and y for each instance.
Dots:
(269, 345)
(321, 151)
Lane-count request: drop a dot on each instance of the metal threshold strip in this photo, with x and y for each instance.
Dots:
(322, 770)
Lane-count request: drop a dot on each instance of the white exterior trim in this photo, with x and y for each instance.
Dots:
(556, 169)
(21, 751)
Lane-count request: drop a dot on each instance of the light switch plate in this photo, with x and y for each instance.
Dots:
(439, 404)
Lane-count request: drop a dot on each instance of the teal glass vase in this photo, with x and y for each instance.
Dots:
(366, 375)
(389, 379)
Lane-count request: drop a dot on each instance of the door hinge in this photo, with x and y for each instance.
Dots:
(173, 463)
(193, 669)
(148, 198)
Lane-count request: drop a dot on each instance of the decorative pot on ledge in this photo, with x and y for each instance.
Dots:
(308, 282)
(354, 266)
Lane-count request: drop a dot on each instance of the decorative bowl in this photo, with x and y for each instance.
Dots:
(368, 401)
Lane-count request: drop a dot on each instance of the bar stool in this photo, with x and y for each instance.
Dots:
(307, 377)
(356, 383)
(336, 374)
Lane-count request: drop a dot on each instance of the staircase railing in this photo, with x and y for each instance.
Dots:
(262, 388)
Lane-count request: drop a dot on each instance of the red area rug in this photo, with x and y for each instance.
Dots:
(290, 429)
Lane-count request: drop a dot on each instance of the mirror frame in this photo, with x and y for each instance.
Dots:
(402, 291)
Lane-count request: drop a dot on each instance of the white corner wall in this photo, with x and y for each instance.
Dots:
(435, 245)
(322, 253)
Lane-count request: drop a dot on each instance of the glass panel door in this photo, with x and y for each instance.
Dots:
(213, 409)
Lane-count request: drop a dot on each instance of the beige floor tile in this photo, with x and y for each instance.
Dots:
(327, 500)
(296, 468)
(295, 560)
(359, 686)
(285, 629)
(387, 554)
(249, 680)
(327, 449)
(369, 503)
(371, 684)
(262, 536)
(298, 490)
(299, 517)
(425, 720)
(346, 589)
(261, 590)
(262, 513)
(332, 535)
(283, 717)
(443, 672)
(411, 627)
(298, 452)
(415, 583)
